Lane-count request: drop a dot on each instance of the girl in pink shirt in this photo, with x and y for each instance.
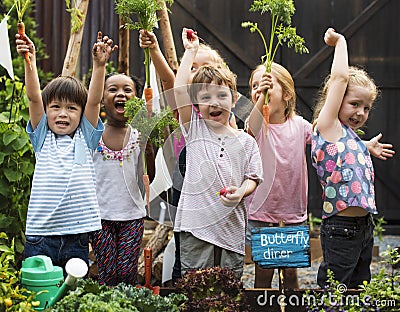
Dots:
(283, 194)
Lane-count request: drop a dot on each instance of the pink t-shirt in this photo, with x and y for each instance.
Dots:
(283, 193)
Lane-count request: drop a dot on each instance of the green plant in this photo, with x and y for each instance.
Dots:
(378, 229)
(212, 289)
(281, 12)
(17, 163)
(12, 296)
(89, 296)
(146, 13)
(151, 129)
(381, 294)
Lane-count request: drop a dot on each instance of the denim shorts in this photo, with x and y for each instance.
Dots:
(347, 244)
(60, 248)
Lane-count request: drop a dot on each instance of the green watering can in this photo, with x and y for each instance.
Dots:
(39, 275)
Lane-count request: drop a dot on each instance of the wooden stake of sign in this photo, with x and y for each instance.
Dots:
(282, 276)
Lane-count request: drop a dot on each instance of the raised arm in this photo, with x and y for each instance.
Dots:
(328, 122)
(148, 39)
(182, 77)
(32, 84)
(256, 118)
(101, 52)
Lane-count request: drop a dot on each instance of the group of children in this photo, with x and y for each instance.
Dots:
(85, 184)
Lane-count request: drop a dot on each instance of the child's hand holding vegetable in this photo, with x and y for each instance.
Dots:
(25, 47)
(147, 39)
(231, 196)
(190, 39)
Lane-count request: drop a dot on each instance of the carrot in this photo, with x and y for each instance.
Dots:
(148, 95)
(21, 33)
(266, 117)
(146, 184)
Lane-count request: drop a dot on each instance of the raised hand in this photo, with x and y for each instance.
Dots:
(103, 49)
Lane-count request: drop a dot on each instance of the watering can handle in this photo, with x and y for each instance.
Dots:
(40, 262)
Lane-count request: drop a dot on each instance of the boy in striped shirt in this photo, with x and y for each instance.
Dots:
(64, 129)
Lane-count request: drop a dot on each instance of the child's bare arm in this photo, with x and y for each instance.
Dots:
(182, 77)
(32, 84)
(256, 118)
(148, 39)
(328, 120)
(101, 52)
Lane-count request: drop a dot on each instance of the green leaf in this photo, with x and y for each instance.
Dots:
(12, 175)
(4, 188)
(20, 142)
(9, 136)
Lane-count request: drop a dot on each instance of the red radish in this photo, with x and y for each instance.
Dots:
(189, 34)
(223, 192)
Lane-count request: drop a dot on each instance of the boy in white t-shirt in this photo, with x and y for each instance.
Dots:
(212, 228)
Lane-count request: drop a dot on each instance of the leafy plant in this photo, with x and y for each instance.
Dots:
(381, 294)
(76, 16)
(12, 296)
(17, 163)
(281, 12)
(378, 229)
(90, 296)
(146, 13)
(151, 129)
(212, 289)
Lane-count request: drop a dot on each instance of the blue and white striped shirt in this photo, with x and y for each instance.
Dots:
(63, 196)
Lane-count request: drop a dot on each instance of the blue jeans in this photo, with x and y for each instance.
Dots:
(347, 244)
(60, 248)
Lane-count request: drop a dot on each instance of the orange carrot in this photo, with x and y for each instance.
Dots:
(21, 33)
(146, 184)
(148, 95)
(266, 117)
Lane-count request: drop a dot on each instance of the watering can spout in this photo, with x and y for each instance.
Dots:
(76, 268)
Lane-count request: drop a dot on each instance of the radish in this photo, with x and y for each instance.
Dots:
(189, 34)
(223, 192)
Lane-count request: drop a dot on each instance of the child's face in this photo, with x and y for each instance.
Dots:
(355, 107)
(118, 89)
(215, 104)
(255, 91)
(202, 58)
(63, 118)
(275, 94)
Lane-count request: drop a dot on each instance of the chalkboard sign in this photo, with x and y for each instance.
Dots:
(281, 247)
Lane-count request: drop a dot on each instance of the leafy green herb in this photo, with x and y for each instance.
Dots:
(146, 13)
(281, 12)
(151, 129)
(76, 16)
